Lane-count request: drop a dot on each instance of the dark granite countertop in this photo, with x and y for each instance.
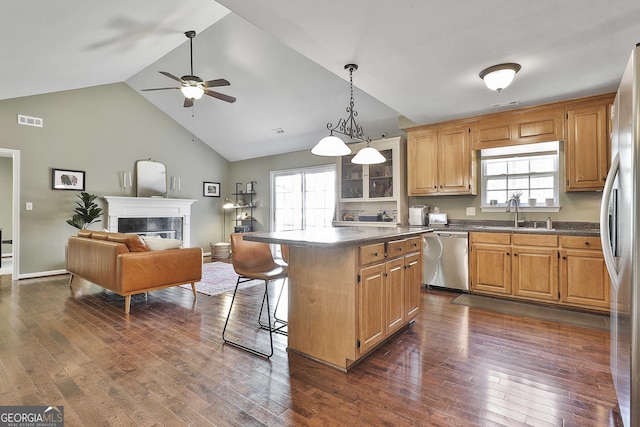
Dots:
(333, 237)
(566, 228)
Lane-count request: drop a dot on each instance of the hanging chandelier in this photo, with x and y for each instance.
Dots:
(334, 146)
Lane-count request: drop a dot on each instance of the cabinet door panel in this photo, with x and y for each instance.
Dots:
(584, 279)
(535, 273)
(586, 148)
(454, 160)
(491, 269)
(371, 307)
(422, 161)
(394, 283)
(412, 284)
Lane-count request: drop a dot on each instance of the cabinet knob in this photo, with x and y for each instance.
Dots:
(508, 253)
(586, 243)
(375, 254)
(515, 254)
(564, 257)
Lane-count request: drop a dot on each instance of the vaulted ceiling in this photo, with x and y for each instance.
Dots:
(418, 59)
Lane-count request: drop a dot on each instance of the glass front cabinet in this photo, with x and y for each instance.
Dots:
(373, 195)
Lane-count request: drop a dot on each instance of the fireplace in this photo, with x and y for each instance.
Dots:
(169, 218)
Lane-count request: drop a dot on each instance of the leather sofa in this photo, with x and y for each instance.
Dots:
(124, 264)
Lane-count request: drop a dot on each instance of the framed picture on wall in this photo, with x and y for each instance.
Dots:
(211, 189)
(65, 179)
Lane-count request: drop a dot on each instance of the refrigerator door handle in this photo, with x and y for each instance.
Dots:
(607, 250)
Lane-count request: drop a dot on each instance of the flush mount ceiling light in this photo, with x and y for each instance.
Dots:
(499, 76)
(333, 146)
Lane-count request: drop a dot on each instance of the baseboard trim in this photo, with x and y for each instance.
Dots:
(42, 274)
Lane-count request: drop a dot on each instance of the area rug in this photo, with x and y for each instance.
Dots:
(551, 314)
(217, 278)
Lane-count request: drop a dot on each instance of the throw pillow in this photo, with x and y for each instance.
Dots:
(133, 241)
(156, 244)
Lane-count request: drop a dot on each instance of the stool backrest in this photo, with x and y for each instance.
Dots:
(250, 257)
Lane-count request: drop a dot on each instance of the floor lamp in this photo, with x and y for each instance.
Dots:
(228, 204)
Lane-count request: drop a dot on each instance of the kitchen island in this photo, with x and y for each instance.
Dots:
(350, 288)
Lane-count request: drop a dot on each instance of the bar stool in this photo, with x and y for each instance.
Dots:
(284, 251)
(253, 261)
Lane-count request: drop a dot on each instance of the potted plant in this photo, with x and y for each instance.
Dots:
(515, 196)
(87, 211)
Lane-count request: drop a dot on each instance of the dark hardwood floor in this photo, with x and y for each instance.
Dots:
(166, 364)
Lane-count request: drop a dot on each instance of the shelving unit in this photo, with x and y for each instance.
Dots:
(372, 195)
(243, 206)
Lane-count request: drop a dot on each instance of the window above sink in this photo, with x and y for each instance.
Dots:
(530, 170)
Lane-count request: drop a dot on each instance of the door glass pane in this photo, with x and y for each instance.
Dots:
(351, 179)
(381, 177)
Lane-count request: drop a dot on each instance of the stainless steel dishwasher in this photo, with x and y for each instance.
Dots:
(446, 259)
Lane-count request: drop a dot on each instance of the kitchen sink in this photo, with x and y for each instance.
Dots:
(511, 228)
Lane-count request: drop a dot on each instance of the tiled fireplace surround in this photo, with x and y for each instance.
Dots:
(150, 215)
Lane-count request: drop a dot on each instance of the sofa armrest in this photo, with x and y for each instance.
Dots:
(94, 260)
(141, 271)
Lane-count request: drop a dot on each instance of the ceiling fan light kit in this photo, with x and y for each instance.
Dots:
(192, 86)
(499, 76)
(333, 146)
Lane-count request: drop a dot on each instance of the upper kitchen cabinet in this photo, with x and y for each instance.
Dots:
(523, 126)
(440, 161)
(373, 194)
(587, 143)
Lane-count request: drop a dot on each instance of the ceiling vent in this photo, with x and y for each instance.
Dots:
(505, 104)
(30, 121)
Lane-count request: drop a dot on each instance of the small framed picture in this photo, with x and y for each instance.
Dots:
(250, 187)
(65, 179)
(211, 189)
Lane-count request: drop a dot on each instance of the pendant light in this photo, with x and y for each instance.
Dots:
(499, 76)
(333, 146)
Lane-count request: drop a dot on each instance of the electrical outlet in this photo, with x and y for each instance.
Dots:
(471, 211)
(29, 206)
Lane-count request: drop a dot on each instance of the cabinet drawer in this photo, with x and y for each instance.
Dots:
(580, 242)
(396, 248)
(535, 240)
(498, 238)
(413, 244)
(371, 253)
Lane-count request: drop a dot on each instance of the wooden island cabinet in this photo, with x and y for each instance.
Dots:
(350, 288)
(563, 270)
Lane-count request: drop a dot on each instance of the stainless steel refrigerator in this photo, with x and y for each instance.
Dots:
(620, 234)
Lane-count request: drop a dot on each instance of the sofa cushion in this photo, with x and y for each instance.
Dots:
(100, 235)
(133, 241)
(85, 233)
(157, 244)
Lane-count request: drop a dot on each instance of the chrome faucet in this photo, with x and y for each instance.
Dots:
(516, 203)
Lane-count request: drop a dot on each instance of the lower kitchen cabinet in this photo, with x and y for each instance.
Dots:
(565, 270)
(490, 263)
(372, 306)
(388, 291)
(584, 280)
(535, 273)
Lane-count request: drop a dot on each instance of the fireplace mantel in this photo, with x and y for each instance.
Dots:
(145, 207)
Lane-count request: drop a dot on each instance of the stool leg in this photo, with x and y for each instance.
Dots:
(285, 283)
(265, 297)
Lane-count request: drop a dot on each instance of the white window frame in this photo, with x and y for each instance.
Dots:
(519, 151)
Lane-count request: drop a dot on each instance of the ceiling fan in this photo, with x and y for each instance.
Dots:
(193, 87)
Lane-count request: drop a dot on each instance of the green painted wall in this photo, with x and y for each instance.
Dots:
(101, 130)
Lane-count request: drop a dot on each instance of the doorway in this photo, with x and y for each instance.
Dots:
(10, 195)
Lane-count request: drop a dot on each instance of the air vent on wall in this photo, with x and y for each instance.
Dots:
(506, 104)
(30, 121)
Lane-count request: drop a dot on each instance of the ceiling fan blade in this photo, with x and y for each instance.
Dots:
(159, 88)
(188, 102)
(220, 96)
(171, 76)
(217, 82)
